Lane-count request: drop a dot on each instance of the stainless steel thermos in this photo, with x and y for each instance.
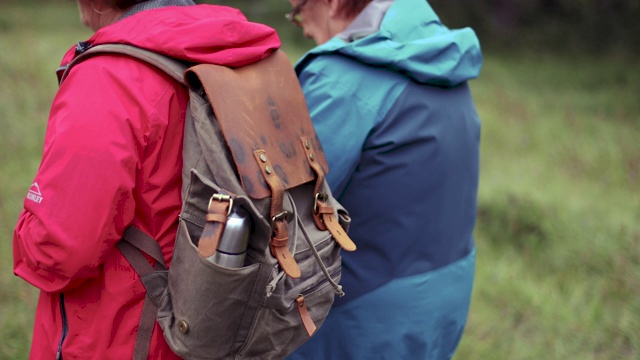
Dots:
(232, 247)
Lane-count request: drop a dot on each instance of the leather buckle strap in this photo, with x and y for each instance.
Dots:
(315, 166)
(217, 213)
(221, 198)
(285, 215)
(280, 226)
(319, 203)
(323, 214)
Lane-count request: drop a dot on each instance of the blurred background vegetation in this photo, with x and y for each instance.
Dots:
(558, 233)
(591, 26)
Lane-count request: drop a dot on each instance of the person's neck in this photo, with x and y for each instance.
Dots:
(367, 22)
(107, 18)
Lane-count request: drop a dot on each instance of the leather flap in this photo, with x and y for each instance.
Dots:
(261, 106)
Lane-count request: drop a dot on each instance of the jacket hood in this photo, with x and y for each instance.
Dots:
(411, 40)
(202, 33)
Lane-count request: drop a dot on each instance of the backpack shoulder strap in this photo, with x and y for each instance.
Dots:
(172, 67)
(132, 246)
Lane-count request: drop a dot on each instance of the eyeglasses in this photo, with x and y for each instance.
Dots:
(294, 16)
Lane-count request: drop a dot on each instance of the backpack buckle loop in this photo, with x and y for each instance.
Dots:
(221, 198)
(285, 215)
(319, 197)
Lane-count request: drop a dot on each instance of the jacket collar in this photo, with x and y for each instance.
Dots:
(154, 4)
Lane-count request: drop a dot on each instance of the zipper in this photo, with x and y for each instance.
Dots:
(279, 274)
(298, 303)
(65, 327)
(301, 306)
(323, 283)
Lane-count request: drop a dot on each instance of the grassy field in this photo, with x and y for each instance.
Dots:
(558, 274)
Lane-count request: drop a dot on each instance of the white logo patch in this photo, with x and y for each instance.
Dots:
(34, 193)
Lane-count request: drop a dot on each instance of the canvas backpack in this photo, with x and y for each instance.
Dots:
(248, 143)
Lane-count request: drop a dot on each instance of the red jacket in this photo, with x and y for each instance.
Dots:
(112, 158)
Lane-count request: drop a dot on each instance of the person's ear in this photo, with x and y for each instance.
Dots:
(334, 7)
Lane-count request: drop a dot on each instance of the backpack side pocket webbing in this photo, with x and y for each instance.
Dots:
(134, 243)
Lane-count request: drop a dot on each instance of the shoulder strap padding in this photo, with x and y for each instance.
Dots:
(172, 67)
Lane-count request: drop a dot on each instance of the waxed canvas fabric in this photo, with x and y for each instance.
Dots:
(247, 312)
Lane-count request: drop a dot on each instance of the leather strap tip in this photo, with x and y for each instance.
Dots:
(312, 331)
(205, 253)
(307, 322)
(286, 261)
(338, 233)
(293, 273)
(292, 270)
(349, 248)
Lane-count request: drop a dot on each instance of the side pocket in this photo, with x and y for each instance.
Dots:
(205, 304)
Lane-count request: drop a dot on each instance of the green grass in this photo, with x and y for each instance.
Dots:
(558, 272)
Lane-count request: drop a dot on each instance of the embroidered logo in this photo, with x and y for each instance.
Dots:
(34, 193)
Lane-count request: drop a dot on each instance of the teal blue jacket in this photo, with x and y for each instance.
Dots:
(395, 115)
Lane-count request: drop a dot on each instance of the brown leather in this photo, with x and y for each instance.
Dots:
(251, 104)
(319, 206)
(311, 160)
(280, 238)
(323, 214)
(307, 321)
(215, 220)
(310, 152)
(280, 250)
(337, 231)
(276, 188)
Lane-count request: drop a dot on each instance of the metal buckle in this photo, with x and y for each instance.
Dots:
(319, 196)
(221, 198)
(285, 215)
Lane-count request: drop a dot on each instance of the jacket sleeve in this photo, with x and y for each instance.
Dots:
(82, 196)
